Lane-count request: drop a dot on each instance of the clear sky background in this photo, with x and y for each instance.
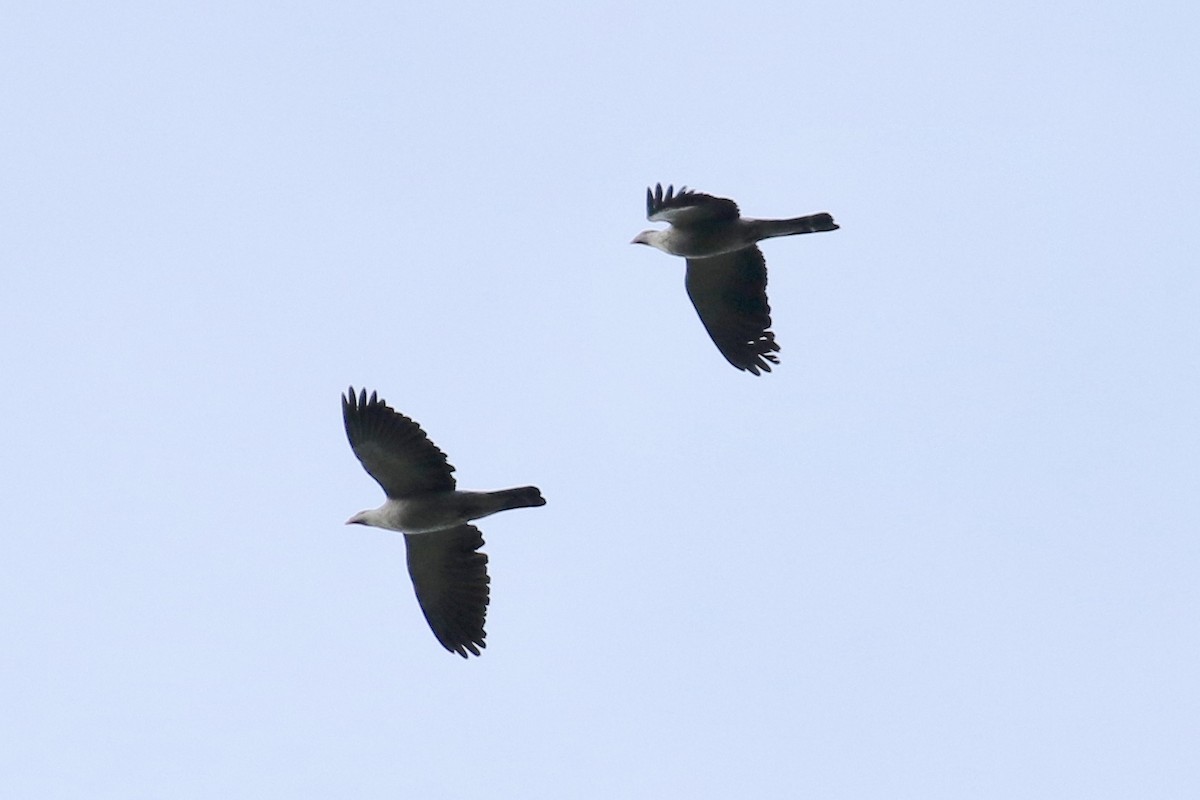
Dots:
(948, 549)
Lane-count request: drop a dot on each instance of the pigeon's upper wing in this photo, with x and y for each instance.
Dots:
(393, 449)
(451, 582)
(687, 208)
(729, 292)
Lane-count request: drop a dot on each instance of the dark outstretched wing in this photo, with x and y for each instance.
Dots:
(393, 449)
(451, 582)
(686, 208)
(729, 292)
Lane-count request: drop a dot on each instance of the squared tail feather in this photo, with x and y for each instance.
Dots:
(813, 223)
(521, 497)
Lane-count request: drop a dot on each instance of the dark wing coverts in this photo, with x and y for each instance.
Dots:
(687, 208)
(393, 449)
(730, 294)
(451, 582)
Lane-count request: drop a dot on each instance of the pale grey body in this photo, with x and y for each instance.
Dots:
(726, 273)
(715, 240)
(437, 512)
(448, 572)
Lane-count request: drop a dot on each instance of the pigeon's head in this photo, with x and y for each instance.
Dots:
(651, 237)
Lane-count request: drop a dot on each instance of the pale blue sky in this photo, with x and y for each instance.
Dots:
(947, 550)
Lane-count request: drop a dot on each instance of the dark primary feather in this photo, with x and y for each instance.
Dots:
(730, 295)
(686, 207)
(451, 581)
(393, 449)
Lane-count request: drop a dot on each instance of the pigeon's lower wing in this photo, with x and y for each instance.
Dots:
(729, 292)
(451, 581)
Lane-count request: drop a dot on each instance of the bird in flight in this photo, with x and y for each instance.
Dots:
(448, 573)
(726, 273)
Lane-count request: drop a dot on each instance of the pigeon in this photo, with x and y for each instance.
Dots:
(726, 273)
(448, 572)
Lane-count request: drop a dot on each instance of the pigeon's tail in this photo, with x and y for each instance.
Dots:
(521, 497)
(813, 223)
